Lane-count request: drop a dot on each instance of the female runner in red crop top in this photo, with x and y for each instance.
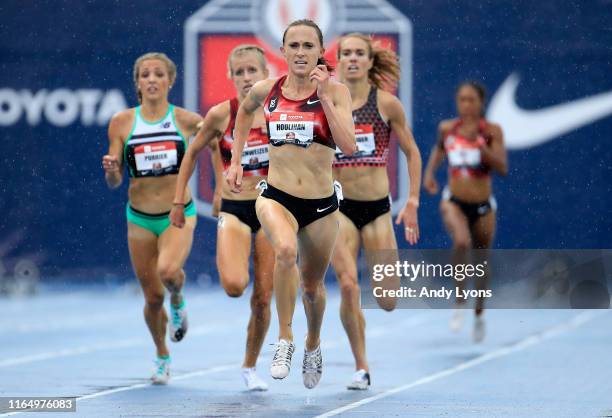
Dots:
(308, 115)
(474, 147)
(238, 224)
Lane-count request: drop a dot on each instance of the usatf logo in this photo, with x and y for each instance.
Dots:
(219, 26)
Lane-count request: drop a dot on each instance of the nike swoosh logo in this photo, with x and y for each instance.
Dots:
(528, 128)
(309, 102)
(324, 209)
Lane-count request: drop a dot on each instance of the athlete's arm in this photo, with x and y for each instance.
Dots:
(244, 120)
(189, 122)
(112, 162)
(210, 129)
(397, 120)
(435, 159)
(495, 155)
(336, 102)
(215, 157)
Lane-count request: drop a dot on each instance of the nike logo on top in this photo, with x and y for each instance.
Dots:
(311, 102)
(528, 128)
(324, 209)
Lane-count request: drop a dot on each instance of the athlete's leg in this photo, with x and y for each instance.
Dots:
(344, 261)
(233, 251)
(281, 228)
(483, 233)
(379, 242)
(316, 244)
(174, 245)
(142, 244)
(458, 228)
(263, 265)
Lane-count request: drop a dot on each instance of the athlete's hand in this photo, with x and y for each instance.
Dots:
(408, 216)
(177, 216)
(430, 184)
(234, 177)
(321, 76)
(216, 204)
(110, 164)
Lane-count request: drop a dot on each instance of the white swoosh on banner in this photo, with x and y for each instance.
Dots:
(528, 128)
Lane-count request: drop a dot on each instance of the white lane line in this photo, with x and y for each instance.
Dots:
(104, 346)
(375, 332)
(112, 345)
(573, 323)
(197, 373)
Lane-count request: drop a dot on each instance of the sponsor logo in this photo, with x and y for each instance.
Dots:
(324, 209)
(528, 128)
(165, 125)
(61, 107)
(312, 102)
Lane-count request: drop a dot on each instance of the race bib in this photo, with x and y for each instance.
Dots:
(292, 128)
(255, 157)
(464, 157)
(366, 144)
(155, 157)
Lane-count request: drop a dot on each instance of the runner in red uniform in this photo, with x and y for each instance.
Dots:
(238, 224)
(474, 147)
(307, 115)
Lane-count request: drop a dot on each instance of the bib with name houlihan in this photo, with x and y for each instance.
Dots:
(296, 122)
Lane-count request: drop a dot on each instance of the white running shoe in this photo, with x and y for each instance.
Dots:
(177, 326)
(361, 380)
(456, 322)
(312, 367)
(161, 375)
(479, 329)
(281, 363)
(252, 381)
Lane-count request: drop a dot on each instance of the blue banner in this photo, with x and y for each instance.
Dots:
(66, 67)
